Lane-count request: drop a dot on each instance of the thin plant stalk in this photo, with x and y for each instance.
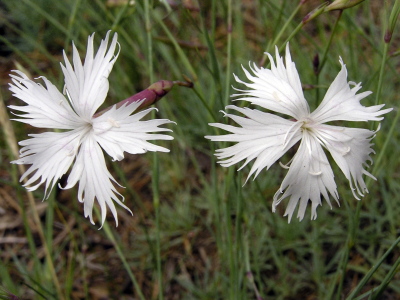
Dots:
(110, 236)
(283, 28)
(393, 271)
(238, 234)
(178, 49)
(229, 242)
(372, 270)
(381, 73)
(249, 273)
(229, 53)
(310, 16)
(155, 173)
(47, 16)
(71, 22)
(324, 57)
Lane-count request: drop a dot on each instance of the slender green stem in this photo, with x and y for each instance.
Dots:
(393, 271)
(381, 72)
(205, 104)
(46, 15)
(149, 40)
(382, 152)
(283, 28)
(328, 46)
(229, 234)
(120, 15)
(341, 270)
(324, 57)
(155, 175)
(238, 234)
(110, 236)
(292, 34)
(71, 22)
(373, 270)
(249, 273)
(342, 266)
(217, 202)
(229, 53)
(178, 49)
(50, 222)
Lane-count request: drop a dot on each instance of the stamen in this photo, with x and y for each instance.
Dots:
(315, 173)
(284, 166)
(113, 123)
(68, 95)
(71, 153)
(287, 165)
(276, 96)
(346, 151)
(286, 138)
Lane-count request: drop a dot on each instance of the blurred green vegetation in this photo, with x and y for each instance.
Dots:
(218, 240)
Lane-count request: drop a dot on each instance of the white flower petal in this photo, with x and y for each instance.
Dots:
(262, 136)
(95, 181)
(46, 106)
(266, 137)
(351, 149)
(87, 85)
(309, 177)
(278, 89)
(118, 131)
(50, 155)
(342, 103)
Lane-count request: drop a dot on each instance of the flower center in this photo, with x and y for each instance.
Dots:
(100, 127)
(307, 124)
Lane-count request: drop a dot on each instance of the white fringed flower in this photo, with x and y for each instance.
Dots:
(83, 137)
(266, 137)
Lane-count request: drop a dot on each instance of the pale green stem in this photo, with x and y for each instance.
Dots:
(229, 53)
(238, 234)
(228, 233)
(389, 276)
(71, 22)
(119, 17)
(381, 73)
(249, 273)
(121, 255)
(155, 175)
(373, 270)
(324, 56)
(293, 33)
(278, 36)
(382, 151)
(46, 15)
(178, 49)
